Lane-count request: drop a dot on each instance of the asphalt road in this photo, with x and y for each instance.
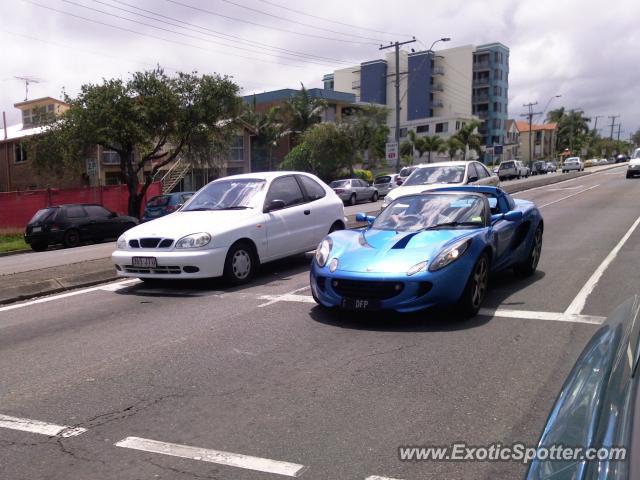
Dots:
(261, 371)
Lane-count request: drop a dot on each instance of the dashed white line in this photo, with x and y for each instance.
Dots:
(287, 297)
(533, 315)
(213, 456)
(569, 196)
(39, 427)
(578, 303)
(377, 477)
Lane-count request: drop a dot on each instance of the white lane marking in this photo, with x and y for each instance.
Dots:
(114, 287)
(213, 456)
(562, 189)
(578, 303)
(582, 177)
(568, 196)
(488, 312)
(532, 315)
(286, 297)
(37, 426)
(59, 296)
(377, 477)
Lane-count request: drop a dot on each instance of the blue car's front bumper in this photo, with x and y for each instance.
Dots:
(392, 291)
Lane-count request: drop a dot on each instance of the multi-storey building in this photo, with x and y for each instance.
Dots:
(439, 91)
(491, 91)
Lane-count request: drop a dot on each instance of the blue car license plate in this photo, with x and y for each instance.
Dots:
(360, 304)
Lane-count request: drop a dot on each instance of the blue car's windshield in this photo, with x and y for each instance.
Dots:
(226, 194)
(431, 211)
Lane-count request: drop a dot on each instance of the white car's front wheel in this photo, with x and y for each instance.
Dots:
(241, 264)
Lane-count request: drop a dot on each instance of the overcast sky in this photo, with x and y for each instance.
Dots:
(587, 51)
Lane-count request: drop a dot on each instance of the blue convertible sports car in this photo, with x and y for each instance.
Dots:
(430, 249)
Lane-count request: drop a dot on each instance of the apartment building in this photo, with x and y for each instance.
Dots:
(440, 91)
(543, 141)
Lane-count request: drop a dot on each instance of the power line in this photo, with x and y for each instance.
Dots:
(217, 34)
(173, 31)
(613, 122)
(262, 12)
(203, 10)
(160, 38)
(332, 21)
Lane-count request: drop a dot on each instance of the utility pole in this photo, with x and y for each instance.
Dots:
(27, 81)
(595, 125)
(396, 45)
(613, 122)
(530, 117)
(619, 125)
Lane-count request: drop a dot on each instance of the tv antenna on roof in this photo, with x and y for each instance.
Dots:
(27, 80)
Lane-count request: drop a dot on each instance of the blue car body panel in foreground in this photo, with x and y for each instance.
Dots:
(373, 263)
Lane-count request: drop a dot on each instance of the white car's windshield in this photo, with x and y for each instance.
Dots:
(443, 174)
(421, 212)
(229, 194)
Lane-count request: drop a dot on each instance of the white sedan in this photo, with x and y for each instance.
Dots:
(443, 174)
(231, 226)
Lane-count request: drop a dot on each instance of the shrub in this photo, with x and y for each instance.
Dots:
(365, 175)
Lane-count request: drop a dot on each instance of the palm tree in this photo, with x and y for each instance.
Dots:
(431, 144)
(453, 145)
(302, 111)
(469, 138)
(268, 128)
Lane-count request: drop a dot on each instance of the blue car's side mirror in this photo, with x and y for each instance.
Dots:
(496, 217)
(363, 217)
(513, 216)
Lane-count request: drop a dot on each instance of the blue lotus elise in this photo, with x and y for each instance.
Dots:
(434, 248)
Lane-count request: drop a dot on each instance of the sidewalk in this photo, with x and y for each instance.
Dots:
(46, 281)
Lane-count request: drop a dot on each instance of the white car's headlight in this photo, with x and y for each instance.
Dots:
(386, 201)
(323, 251)
(449, 255)
(195, 240)
(122, 243)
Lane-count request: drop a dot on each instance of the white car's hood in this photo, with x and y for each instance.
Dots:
(635, 162)
(402, 190)
(179, 224)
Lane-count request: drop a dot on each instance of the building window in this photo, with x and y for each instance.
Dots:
(497, 107)
(496, 123)
(112, 178)
(497, 90)
(110, 157)
(403, 132)
(237, 149)
(497, 74)
(442, 127)
(422, 128)
(457, 125)
(20, 153)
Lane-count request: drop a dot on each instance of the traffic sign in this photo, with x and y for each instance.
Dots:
(391, 151)
(497, 149)
(92, 166)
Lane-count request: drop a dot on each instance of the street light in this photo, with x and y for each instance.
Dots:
(548, 103)
(443, 39)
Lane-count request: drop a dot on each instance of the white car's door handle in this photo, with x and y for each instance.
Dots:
(307, 212)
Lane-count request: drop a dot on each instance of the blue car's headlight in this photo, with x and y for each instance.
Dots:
(418, 267)
(449, 255)
(195, 240)
(323, 251)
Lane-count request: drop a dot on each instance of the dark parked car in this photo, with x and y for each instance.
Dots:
(162, 205)
(72, 224)
(539, 168)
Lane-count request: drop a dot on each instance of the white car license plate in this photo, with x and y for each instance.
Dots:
(144, 262)
(36, 229)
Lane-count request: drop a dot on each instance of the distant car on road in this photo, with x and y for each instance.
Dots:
(634, 164)
(512, 169)
(571, 164)
(353, 190)
(539, 168)
(443, 174)
(428, 249)
(385, 183)
(72, 224)
(603, 161)
(621, 158)
(231, 226)
(552, 167)
(162, 205)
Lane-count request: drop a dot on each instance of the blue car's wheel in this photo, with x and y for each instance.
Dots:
(531, 263)
(476, 288)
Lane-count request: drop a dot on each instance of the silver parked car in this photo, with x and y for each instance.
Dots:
(385, 183)
(353, 190)
(572, 163)
(512, 169)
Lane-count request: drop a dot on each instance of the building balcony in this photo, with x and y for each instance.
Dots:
(481, 81)
(437, 104)
(483, 98)
(482, 66)
(483, 115)
(437, 71)
(355, 84)
(438, 87)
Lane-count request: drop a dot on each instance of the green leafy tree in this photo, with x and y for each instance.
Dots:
(469, 138)
(149, 120)
(302, 111)
(268, 129)
(453, 146)
(635, 138)
(369, 130)
(573, 129)
(431, 144)
(326, 150)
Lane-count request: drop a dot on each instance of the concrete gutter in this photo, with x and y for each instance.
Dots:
(47, 281)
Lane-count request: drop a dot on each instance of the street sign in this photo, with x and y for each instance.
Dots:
(497, 149)
(391, 152)
(92, 166)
